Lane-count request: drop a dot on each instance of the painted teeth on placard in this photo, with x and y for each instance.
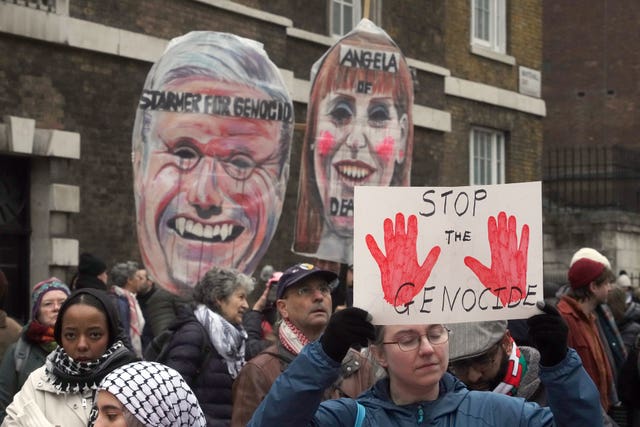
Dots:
(188, 226)
(197, 230)
(203, 231)
(180, 225)
(354, 172)
(224, 232)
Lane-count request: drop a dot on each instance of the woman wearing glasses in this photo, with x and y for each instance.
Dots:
(418, 389)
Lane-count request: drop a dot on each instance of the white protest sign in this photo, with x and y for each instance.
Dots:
(448, 254)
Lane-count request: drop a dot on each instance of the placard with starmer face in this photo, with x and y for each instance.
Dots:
(359, 132)
(211, 145)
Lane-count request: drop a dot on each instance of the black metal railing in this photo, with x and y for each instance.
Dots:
(593, 177)
(48, 5)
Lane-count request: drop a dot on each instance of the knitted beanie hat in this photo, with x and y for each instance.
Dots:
(592, 254)
(624, 281)
(584, 271)
(155, 394)
(90, 265)
(51, 284)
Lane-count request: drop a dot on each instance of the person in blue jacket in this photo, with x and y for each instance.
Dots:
(418, 389)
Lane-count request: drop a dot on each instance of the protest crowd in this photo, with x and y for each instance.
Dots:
(177, 341)
(318, 362)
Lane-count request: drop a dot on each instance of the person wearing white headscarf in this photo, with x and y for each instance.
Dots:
(147, 394)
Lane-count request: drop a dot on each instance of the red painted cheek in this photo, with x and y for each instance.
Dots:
(325, 143)
(385, 149)
(166, 188)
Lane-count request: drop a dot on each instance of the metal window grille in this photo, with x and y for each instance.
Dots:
(47, 5)
(592, 177)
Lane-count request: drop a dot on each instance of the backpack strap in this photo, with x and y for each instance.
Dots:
(360, 415)
(21, 353)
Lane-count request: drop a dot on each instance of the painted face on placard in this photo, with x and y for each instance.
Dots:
(209, 175)
(208, 187)
(359, 140)
(359, 133)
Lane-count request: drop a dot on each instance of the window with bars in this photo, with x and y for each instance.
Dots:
(345, 14)
(48, 5)
(486, 157)
(488, 24)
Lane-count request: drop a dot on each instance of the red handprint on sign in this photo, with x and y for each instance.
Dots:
(508, 261)
(401, 275)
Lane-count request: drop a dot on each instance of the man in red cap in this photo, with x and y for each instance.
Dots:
(590, 284)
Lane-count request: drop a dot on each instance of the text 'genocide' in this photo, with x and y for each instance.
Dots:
(468, 299)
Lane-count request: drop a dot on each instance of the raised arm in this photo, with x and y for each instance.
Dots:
(295, 397)
(572, 395)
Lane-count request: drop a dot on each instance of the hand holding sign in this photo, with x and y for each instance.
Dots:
(402, 276)
(508, 261)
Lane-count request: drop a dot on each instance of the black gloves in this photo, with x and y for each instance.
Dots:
(548, 332)
(346, 327)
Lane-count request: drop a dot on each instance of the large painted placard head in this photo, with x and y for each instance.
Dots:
(359, 132)
(211, 146)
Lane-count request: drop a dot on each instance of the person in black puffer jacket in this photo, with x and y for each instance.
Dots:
(208, 349)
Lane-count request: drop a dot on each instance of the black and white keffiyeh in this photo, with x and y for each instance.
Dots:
(227, 339)
(70, 376)
(155, 394)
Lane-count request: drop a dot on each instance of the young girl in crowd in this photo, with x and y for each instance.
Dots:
(62, 391)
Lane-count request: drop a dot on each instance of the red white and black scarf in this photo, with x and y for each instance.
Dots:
(516, 369)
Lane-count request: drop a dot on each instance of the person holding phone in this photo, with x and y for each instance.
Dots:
(258, 322)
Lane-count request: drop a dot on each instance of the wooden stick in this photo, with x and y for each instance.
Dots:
(367, 9)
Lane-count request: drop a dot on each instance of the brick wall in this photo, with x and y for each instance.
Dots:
(523, 141)
(524, 43)
(591, 73)
(96, 94)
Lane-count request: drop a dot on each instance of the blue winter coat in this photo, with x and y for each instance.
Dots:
(294, 400)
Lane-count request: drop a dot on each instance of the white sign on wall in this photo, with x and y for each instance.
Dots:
(448, 254)
(530, 81)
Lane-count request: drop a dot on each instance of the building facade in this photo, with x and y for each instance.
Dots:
(71, 82)
(591, 163)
